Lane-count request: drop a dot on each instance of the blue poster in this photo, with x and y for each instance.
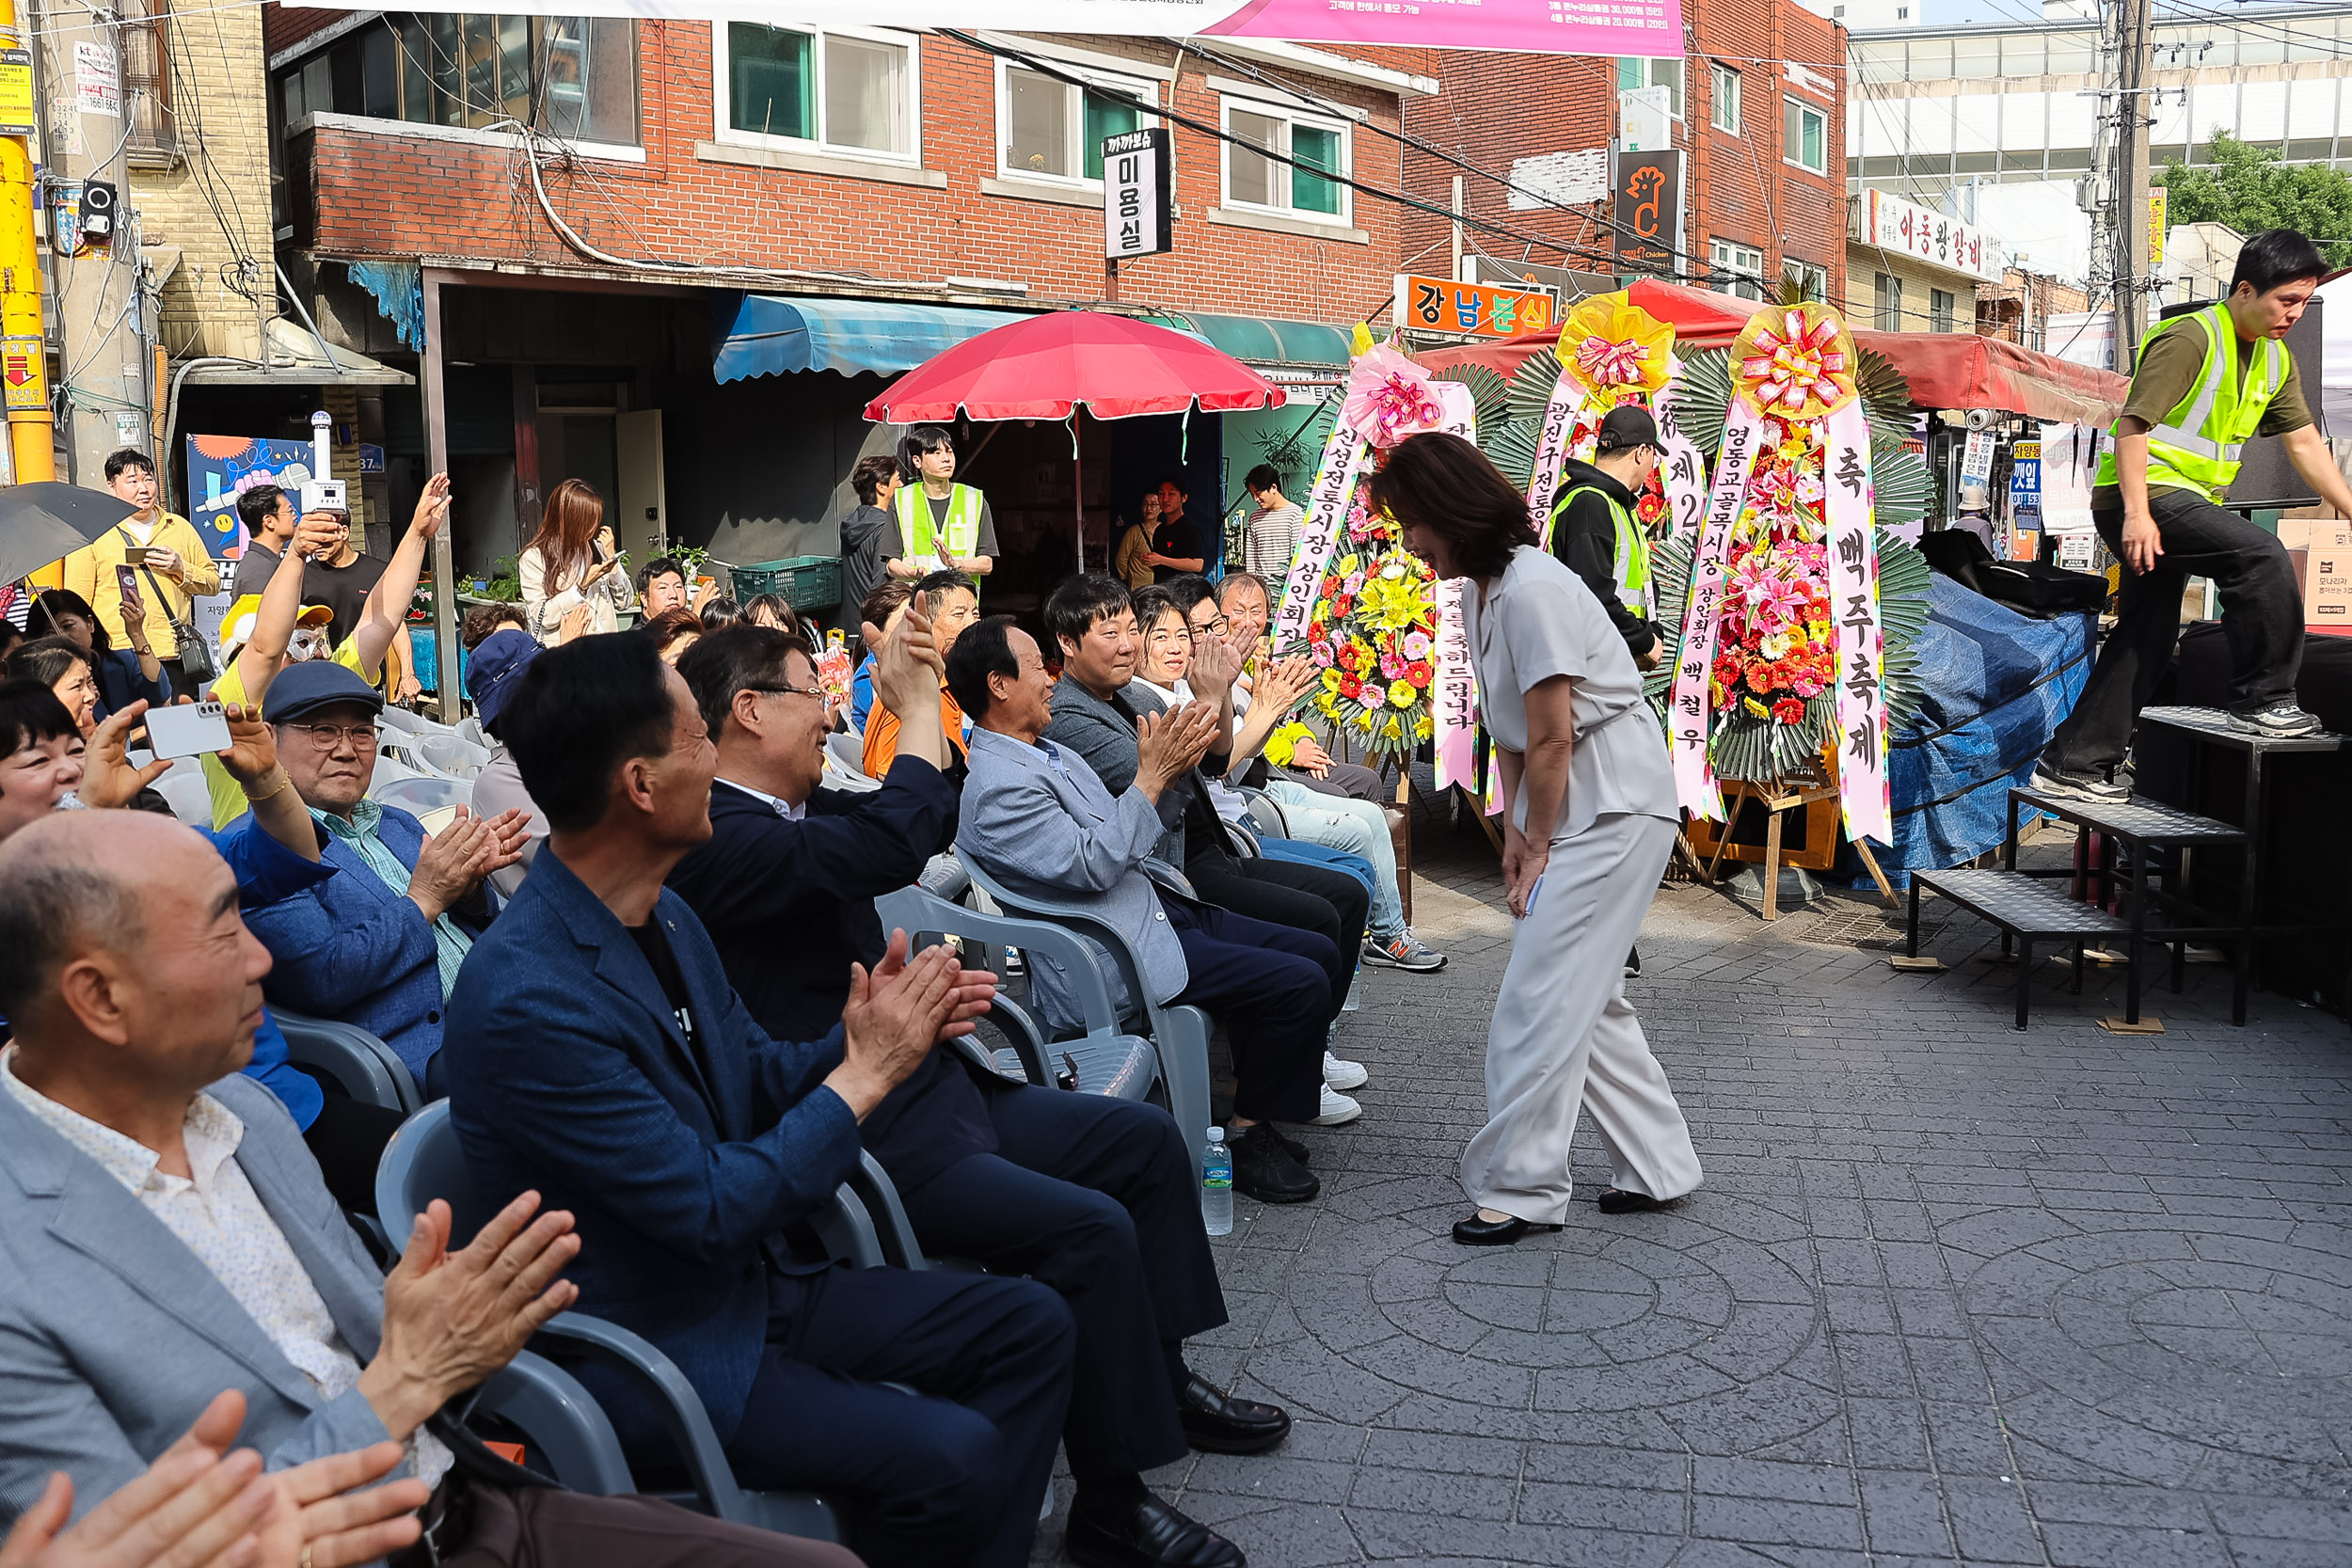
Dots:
(222, 468)
(2024, 484)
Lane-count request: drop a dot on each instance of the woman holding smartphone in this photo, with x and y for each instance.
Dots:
(571, 582)
(124, 674)
(1590, 818)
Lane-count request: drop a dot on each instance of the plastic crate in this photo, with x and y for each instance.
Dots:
(806, 581)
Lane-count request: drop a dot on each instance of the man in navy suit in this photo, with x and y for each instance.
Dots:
(379, 945)
(597, 1054)
(1094, 1196)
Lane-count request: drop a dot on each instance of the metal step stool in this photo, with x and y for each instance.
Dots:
(2025, 910)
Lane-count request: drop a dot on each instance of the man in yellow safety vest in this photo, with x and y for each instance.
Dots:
(1595, 535)
(2205, 385)
(942, 526)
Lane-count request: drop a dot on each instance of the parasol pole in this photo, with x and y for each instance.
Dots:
(1078, 489)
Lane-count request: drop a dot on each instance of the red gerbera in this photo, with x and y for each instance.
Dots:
(1351, 687)
(1788, 710)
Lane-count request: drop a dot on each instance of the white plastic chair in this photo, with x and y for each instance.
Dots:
(450, 755)
(469, 729)
(845, 767)
(390, 769)
(421, 796)
(191, 797)
(407, 722)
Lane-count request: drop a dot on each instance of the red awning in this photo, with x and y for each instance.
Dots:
(1944, 370)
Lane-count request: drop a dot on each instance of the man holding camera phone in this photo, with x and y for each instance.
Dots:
(340, 578)
(168, 558)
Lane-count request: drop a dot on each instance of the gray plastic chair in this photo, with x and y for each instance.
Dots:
(362, 1066)
(423, 1161)
(1265, 813)
(1180, 1035)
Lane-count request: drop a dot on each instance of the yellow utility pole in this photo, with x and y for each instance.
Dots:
(24, 348)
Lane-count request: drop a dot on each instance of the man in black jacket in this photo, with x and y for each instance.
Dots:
(1093, 1196)
(1596, 535)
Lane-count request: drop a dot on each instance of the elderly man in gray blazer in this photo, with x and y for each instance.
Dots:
(1036, 817)
(170, 1236)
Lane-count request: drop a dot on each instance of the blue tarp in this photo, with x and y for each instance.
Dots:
(768, 334)
(1995, 686)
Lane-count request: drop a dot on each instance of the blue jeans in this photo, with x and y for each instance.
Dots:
(1357, 827)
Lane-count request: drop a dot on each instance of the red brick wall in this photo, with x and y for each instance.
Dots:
(1497, 107)
(393, 193)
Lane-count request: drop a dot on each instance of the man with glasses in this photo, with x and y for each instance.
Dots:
(378, 944)
(1595, 535)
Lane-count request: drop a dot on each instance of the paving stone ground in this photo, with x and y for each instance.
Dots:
(1951, 1294)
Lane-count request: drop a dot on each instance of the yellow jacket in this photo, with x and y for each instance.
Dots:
(90, 572)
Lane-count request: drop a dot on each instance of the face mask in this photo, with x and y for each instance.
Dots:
(305, 645)
(70, 801)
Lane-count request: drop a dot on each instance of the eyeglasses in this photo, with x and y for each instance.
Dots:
(328, 737)
(778, 691)
(1211, 628)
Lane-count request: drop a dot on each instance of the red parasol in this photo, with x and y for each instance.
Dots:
(1044, 367)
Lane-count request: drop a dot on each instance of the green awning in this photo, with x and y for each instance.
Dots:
(1268, 340)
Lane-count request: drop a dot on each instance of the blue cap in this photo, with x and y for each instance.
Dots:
(301, 689)
(492, 668)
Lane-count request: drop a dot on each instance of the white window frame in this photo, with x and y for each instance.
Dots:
(1788, 154)
(722, 108)
(1679, 102)
(1142, 88)
(1739, 258)
(1718, 75)
(1344, 218)
(1806, 274)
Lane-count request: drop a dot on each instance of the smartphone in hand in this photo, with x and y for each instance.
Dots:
(127, 580)
(187, 729)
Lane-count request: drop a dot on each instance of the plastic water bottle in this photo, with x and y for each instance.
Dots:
(1216, 1185)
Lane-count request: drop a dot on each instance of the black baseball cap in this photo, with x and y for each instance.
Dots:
(1628, 426)
(301, 689)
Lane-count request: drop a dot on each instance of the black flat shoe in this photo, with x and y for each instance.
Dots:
(1474, 1231)
(1152, 1536)
(1264, 1169)
(1616, 1200)
(1216, 1422)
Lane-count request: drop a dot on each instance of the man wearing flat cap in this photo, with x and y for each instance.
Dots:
(1596, 535)
(379, 945)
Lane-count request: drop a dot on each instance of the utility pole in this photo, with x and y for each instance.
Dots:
(102, 317)
(30, 449)
(2135, 111)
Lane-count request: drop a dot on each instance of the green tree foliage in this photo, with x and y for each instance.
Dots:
(2249, 188)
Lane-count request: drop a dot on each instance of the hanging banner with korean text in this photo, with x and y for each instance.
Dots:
(1681, 469)
(1457, 691)
(1693, 705)
(1138, 197)
(1344, 454)
(1853, 598)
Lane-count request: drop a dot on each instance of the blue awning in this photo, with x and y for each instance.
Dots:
(771, 334)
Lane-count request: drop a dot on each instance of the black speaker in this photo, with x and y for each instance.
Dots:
(2266, 478)
(98, 213)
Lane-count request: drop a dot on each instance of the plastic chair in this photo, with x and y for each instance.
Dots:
(362, 1066)
(424, 1161)
(397, 718)
(845, 766)
(470, 730)
(1265, 813)
(191, 797)
(388, 768)
(419, 796)
(1180, 1035)
(450, 755)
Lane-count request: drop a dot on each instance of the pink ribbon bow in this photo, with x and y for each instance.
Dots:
(1602, 363)
(1799, 365)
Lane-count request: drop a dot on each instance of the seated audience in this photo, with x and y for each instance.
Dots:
(664, 585)
(125, 675)
(774, 609)
(1094, 1196)
(69, 671)
(170, 1238)
(498, 789)
(672, 631)
(1038, 819)
(597, 1054)
(1335, 821)
(720, 612)
(881, 609)
(378, 945)
(1292, 749)
(484, 619)
(951, 603)
(1096, 706)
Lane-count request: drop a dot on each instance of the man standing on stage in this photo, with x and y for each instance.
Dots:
(2205, 384)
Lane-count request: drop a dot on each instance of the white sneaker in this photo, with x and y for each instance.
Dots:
(1342, 1075)
(1337, 1108)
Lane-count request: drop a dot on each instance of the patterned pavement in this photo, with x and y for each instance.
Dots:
(1951, 1294)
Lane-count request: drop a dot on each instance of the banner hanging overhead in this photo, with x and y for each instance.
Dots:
(1627, 27)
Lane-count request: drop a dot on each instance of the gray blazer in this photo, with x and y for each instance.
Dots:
(114, 1337)
(1090, 726)
(1037, 820)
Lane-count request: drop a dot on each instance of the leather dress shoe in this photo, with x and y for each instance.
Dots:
(1154, 1535)
(1264, 1169)
(1616, 1200)
(1475, 1231)
(1216, 1422)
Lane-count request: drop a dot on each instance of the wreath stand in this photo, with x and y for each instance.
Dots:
(1812, 783)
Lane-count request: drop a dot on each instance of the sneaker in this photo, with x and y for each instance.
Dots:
(2087, 785)
(1342, 1075)
(2281, 720)
(1264, 1169)
(1632, 963)
(1406, 951)
(1337, 1110)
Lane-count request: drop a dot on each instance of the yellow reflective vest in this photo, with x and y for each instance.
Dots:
(2201, 443)
(917, 536)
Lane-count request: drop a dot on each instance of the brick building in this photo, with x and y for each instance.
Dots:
(1757, 109)
(892, 186)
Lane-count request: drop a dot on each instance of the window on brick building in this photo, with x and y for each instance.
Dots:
(1723, 108)
(1739, 268)
(1049, 129)
(1634, 74)
(1813, 279)
(1888, 302)
(849, 91)
(569, 76)
(1314, 144)
(147, 82)
(1804, 136)
(1942, 305)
